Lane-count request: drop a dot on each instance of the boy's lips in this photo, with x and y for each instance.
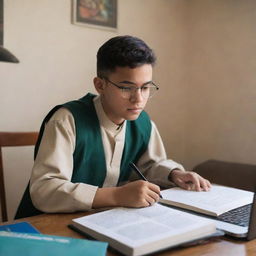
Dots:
(135, 110)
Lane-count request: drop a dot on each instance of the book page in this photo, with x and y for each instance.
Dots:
(218, 200)
(135, 227)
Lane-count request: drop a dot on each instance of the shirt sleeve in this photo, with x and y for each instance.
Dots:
(51, 188)
(154, 163)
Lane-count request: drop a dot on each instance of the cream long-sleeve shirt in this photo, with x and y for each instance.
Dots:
(51, 188)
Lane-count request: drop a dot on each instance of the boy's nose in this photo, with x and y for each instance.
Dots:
(137, 96)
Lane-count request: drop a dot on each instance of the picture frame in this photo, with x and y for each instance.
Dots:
(100, 14)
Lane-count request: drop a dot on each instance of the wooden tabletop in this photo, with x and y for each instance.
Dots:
(56, 224)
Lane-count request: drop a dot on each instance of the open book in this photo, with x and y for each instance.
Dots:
(144, 230)
(218, 200)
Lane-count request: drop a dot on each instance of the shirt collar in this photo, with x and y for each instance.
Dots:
(104, 120)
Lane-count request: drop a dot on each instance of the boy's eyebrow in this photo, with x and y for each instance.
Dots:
(129, 82)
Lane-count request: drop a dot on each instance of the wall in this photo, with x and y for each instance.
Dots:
(220, 90)
(57, 64)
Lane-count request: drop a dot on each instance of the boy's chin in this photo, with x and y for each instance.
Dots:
(133, 117)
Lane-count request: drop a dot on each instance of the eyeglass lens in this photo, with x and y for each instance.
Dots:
(146, 91)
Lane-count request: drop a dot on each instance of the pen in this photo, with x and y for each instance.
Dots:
(135, 168)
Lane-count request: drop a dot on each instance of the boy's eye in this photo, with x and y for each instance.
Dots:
(127, 89)
(145, 88)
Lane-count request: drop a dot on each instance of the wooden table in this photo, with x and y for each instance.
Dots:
(56, 224)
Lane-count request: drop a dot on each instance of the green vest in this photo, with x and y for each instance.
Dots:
(89, 158)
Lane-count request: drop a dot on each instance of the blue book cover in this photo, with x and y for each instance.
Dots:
(20, 227)
(13, 244)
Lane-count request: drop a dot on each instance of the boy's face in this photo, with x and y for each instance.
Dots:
(117, 106)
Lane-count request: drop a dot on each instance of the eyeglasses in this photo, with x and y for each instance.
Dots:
(147, 90)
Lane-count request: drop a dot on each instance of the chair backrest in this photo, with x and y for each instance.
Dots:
(238, 175)
(12, 139)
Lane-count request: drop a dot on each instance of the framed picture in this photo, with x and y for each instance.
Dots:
(1, 22)
(95, 13)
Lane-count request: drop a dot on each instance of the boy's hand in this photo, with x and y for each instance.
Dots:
(190, 180)
(137, 194)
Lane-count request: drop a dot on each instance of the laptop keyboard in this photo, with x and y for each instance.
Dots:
(239, 216)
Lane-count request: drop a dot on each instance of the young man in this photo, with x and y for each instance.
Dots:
(85, 146)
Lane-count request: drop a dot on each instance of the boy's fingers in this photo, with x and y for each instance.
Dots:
(154, 196)
(154, 188)
(205, 185)
(150, 200)
(195, 182)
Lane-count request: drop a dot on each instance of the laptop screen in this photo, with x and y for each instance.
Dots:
(252, 224)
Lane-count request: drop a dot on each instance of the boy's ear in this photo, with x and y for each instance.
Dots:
(99, 84)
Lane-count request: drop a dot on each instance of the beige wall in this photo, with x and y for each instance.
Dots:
(220, 95)
(206, 65)
(208, 91)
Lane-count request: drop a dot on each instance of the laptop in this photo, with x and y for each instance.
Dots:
(239, 222)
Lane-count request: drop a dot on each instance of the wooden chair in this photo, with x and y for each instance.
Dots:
(12, 139)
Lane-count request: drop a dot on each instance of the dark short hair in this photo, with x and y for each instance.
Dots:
(123, 51)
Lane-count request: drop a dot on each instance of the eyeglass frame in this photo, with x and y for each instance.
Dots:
(136, 88)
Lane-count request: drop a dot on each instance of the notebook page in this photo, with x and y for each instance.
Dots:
(218, 200)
